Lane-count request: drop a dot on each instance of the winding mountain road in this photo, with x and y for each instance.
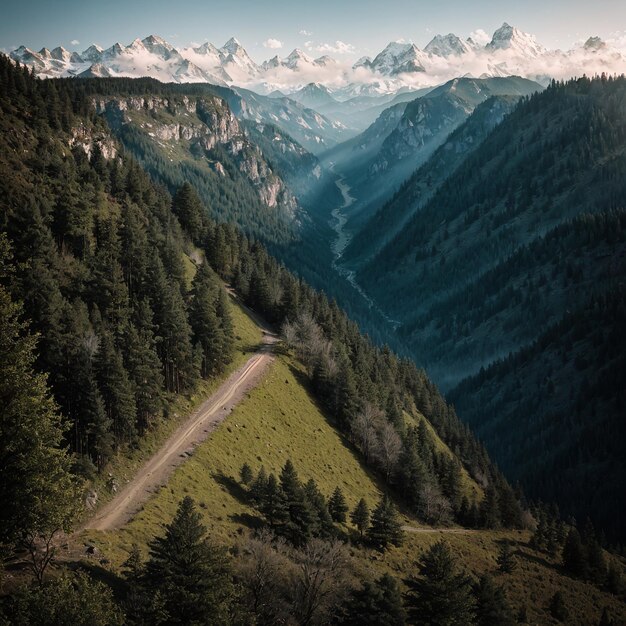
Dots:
(181, 443)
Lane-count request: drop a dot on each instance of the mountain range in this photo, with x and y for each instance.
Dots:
(398, 65)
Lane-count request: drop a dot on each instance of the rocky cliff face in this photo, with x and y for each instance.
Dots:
(193, 127)
(88, 140)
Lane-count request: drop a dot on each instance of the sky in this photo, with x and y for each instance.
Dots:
(349, 28)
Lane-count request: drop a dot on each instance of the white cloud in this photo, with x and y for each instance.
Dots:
(306, 33)
(308, 45)
(74, 42)
(339, 47)
(480, 37)
(273, 44)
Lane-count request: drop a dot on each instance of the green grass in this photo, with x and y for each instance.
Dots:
(278, 421)
(190, 270)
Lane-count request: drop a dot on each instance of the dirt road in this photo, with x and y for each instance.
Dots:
(179, 446)
(450, 531)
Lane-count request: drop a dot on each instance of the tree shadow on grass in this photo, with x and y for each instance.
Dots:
(232, 486)
(524, 555)
(250, 521)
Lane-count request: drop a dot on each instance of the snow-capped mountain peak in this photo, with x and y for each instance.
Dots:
(232, 46)
(237, 62)
(114, 51)
(510, 38)
(447, 45)
(594, 44)
(272, 63)
(399, 65)
(363, 62)
(325, 61)
(207, 48)
(158, 46)
(297, 58)
(399, 58)
(61, 54)
(92, 54)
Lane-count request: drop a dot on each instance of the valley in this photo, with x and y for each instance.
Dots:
(341, 241)
(333, 337)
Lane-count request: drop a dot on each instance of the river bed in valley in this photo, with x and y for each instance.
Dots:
(342, 239)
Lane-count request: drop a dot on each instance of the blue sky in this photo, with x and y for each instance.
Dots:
(364, 26)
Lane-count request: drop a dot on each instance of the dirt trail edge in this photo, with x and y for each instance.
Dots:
(179, 446)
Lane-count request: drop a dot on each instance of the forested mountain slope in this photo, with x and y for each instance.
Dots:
(101, 260)
(525, 231)
(101, 257)
(245, 169)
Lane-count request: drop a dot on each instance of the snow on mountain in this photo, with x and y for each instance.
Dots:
(297, 59)
(93, 54)
(399, 58)
(28, 57)
(208, 58)
(61, 54)
(594, 44)
(363, 62)
(97, 70)
(399, 65)
(512, 39)
(313, 96)
(447, 45)
(325, 61)
(237, 62)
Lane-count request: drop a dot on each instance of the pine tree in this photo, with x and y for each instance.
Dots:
(323, 524)
(337, 506)
(192, 576)
(574, 557)
(245, 474)
(506, 560)
(385, 527)
(37, 489)
(596, 560)
(187, 206)
(377, 603)
(205, 324)
(614, 582)
(605, 618)
(117, 392)
(489, 509)
(557, 607)
(144, 368)
(259, 487)
(227, 336)
(441, 595)
(273, 503)
(360, 516)
(492, 608)
(301, 515)
(173, 330)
